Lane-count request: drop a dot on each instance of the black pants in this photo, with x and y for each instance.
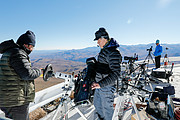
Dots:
(17, 112)
(157, 60)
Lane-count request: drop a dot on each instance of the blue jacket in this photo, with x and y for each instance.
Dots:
(111, 43)
(158, 50)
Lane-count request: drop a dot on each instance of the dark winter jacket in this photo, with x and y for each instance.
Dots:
(108, 65)
(16, 75)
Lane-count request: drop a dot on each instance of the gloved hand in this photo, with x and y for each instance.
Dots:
(91, 60)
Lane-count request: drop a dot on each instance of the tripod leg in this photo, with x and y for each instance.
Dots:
(146, 58)
(119, 108)
(151, 58)
(135, 108)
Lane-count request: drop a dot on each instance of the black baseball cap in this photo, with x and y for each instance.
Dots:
(101, 33)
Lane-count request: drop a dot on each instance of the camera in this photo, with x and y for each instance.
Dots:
(150, 49)
(131, 58)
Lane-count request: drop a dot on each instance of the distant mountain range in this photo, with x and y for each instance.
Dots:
(74, 60)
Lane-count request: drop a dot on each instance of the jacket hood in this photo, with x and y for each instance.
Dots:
(4, 46)
(112, 43)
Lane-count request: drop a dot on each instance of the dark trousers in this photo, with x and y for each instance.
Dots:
(157, 60)
(17, 112)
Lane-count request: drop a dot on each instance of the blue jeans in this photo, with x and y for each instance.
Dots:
(17, 112)
(103, 102)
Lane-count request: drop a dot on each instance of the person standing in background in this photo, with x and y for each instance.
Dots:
(157, 54)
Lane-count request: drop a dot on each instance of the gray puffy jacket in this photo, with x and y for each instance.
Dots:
(108, 68)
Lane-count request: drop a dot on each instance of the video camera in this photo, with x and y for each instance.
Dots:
(150, 49)
(131, 58)
(131, 61)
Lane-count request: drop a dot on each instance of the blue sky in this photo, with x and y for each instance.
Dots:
(71, 24)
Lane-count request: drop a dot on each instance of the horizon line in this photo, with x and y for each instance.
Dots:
(97, 47)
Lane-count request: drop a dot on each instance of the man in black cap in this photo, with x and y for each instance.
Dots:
(107, 73)
(17, 88)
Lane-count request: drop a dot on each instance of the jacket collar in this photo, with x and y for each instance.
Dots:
(111, 43)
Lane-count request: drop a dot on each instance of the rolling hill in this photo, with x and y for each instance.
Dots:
(74, 60)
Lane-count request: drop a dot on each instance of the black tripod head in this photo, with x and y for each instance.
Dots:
(150, 49)
(149, 55)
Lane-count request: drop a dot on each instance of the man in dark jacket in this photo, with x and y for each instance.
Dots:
(17, 88)
(107, 73)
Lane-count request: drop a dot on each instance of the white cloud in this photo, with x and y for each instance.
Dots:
(164, 3)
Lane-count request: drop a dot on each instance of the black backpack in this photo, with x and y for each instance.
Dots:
(82, 90)
(83, 83)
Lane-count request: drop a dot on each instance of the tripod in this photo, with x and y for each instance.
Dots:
(126, 105)
(119, 109)
(148, 57)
